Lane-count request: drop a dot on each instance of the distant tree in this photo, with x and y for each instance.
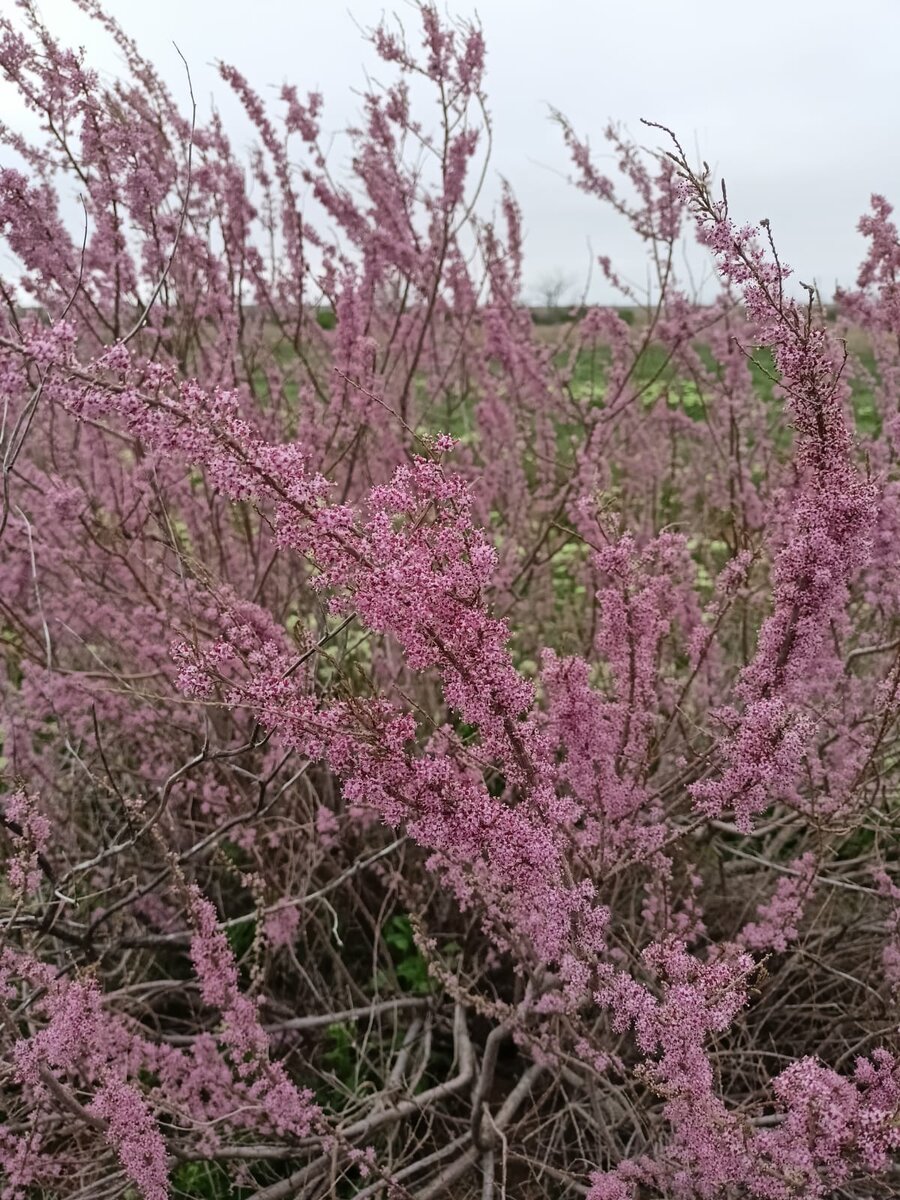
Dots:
(554, 289)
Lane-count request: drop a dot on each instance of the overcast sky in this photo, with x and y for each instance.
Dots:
(795, 102)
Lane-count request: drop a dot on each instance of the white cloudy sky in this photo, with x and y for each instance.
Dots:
(795, 102)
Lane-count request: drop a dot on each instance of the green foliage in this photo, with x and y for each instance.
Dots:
(204, 1181)
(240, 937)
(410, 967)
(340, 1054)
(11, 649)
(566, 573)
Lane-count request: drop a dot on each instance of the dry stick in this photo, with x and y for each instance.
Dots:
(561, 1176)
(488, 1171)
(468, 1160)
(415, 1167)
(485, 1079)
(404, 1108)
(410, 1038)
(48, 646)
(315, 1021)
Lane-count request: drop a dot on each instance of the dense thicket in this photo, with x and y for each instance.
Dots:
(442, 755)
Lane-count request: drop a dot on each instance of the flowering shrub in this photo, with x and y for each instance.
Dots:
(441, 756)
